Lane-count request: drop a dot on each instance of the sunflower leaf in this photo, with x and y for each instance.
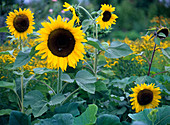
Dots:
(4, 29)
(19, 118)
(37, 102)
(23, 58)
(6, 84)
(95, 43)
(117, 50)
(166, 52)
(58, 119)
(88, 117)
(162, 118)
(85, 81)
(108, 119)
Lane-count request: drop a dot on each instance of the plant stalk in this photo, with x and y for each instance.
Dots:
(150, 64)
(70, 95)
(22, 83)
(95, 55)
(59, 83)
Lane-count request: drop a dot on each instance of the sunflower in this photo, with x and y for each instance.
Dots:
(145, 96)
(20, 23)
(164, 31)
(61, 43)
(106, 19)
(71, 8)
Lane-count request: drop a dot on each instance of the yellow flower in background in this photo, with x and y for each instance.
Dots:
(71, 8)
(61, 43)
(145, 96)
(20, 23)
(106, 19)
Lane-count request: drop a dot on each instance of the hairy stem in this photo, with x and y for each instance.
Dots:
(151, 60)
(70, 95)
(22, 82)
(59, 83)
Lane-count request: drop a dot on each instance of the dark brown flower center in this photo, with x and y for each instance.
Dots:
(106, 16)
(61, 42)
(21, 23)
(145, 97)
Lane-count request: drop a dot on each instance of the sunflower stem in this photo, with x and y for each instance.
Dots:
(86, 12)
(22, 83)
(59, 84)
(95, 55)
(70, 95)
(150, 64)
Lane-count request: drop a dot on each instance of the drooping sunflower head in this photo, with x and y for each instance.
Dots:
(61, 43)
(106, 19)
(163, 32)
(73, 11)
(20, 23)
(145, 96)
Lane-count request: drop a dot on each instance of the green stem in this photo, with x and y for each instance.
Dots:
(47, 86)
(59, 83)
(22, 83)
(95, 55)
(86, 11)
(70, 95)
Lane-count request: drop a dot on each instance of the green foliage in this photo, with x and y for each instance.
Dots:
(4, 30)
(108, 119)
(37, 102)
(58, 119)
(85, 81)
(87, 117)
(18, 118)
(162, 118)
(95, 43)
(117, 50)
(166, 52)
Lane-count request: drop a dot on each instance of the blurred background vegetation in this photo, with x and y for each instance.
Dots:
(134, 15)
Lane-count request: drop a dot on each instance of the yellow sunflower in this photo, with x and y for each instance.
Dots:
(61, 43)
(106, 19)
(71, 8)
(20, 23)
(145, 96)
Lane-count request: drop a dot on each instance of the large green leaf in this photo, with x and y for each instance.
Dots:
(5, 112)
(86, 81)
(166, 52)
(58, 119)
(117, 50)
(19, 118)
(37, 102)
(23, 58)
(68, 108)
(86, 23)
(95, 43)
(108, 119)
(145, 79)
(43, 70)
(163, 116)
(100, 86)
(56, 99)
(4, 29)
(8, 52)
(5, 84)
(65, 77)
(88, 117)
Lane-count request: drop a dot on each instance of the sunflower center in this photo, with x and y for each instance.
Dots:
(61, 42)
(106, 16)
(21, 23)
(145, 97)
